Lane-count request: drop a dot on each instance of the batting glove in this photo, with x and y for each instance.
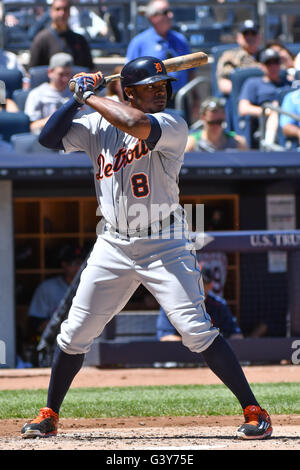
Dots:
(86, 84)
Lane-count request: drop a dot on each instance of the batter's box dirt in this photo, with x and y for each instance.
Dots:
(193, 438)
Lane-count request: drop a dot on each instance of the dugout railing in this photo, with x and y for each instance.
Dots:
(113, 352)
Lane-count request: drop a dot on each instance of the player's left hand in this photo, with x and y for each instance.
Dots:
(85, 85)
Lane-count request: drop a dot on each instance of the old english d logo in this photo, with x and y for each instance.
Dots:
(158, 67)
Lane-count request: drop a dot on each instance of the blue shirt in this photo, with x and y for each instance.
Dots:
(47, 297)
(150, 43)
(291, 104)
(258, 91)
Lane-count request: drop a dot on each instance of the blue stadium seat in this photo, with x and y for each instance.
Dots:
(13, 123)
(39, 74)
(293, 47)
(13, 80)
(241, 125)
(26, 142)
(20, 97)
(216, 53)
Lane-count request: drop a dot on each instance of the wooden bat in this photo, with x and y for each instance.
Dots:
(182, 62)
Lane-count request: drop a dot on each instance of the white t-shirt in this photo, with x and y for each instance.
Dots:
(44, 100)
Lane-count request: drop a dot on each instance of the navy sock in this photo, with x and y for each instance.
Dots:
(222, 361)
(64, 368)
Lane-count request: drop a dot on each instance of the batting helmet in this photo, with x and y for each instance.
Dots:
(143, 71)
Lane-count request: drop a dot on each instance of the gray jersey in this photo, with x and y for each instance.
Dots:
(132, 181)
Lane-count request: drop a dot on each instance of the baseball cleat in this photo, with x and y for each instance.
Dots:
(257, 424)
(44, 425)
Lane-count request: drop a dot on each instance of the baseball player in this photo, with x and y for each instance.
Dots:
(137, 150)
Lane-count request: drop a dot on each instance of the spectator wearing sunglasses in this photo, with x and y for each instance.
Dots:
(213, 135)
(259, 90)
(160, 40)
(249, 41)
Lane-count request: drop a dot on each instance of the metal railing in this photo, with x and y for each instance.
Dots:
(269, 146)
(183, 92)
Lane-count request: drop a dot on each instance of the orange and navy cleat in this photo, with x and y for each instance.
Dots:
(257, 424)
(44, 425)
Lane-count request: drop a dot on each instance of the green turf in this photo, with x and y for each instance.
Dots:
(179, 400)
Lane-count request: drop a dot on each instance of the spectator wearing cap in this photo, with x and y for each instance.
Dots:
(46, 98)
(287, 58)
(216, 307)
(50, 292)
(59, 37)
(160, 40)
(259, 90)
(249, 41)
(213, 134)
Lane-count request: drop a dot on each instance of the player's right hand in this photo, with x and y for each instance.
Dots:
(91, 79)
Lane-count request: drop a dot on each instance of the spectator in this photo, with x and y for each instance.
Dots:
(60, 38)
(10, 61)
(46, 98)
(50, 292)
(6, 104)
(290, 127)
(259, 90)
(10, 106)
(246, 55)
(216, 307)
(213, 136)
(161, 41)
(287, 58)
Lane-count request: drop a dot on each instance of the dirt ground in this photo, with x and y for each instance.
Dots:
(179, 433)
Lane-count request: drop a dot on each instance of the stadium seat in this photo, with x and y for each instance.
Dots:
(39, 74)
(19, 97)
(293, 47)
(13, 123)
(216, 53)
(27, 142)
(13, 80)
(241, 125)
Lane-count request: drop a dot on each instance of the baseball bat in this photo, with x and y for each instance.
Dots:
(182, 62)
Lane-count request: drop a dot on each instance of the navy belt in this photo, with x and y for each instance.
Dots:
(148, 231)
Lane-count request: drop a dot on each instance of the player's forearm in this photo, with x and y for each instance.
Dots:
(124, 117)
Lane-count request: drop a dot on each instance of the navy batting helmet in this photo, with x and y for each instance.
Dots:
(143, 71)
